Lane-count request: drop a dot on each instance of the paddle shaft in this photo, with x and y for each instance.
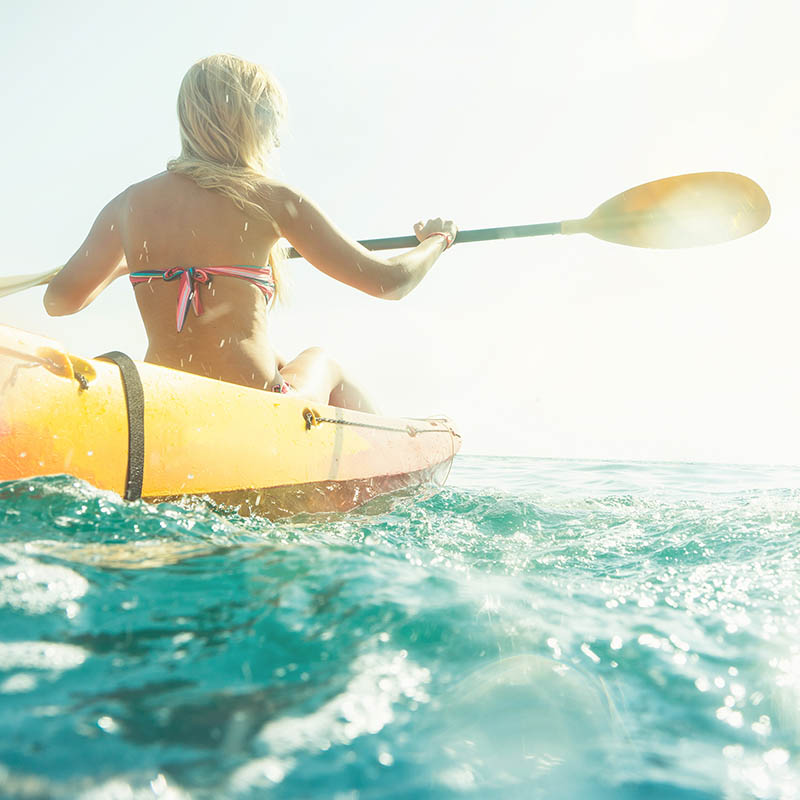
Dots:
(692, 210)
(659, 214)
(475, 235)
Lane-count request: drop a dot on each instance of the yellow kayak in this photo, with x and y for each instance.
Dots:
(146, 431)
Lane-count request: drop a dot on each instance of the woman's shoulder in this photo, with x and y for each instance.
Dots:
(157, 182)
(139, 189)
(279, 199)
(272, 189)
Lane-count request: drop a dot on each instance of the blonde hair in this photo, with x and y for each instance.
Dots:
(229, 113)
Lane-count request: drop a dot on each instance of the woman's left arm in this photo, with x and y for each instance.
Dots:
(97, 262)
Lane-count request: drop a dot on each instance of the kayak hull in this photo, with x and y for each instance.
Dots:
(261, 452)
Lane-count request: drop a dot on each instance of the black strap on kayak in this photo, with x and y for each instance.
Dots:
(134, 400)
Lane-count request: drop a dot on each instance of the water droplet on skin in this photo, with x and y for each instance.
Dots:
(111, 228)
(190, 476)
(227, 99)
(90, 452)
(190, 357)
(245, 225)
(222, 343)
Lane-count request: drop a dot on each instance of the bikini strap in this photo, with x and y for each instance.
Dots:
(192, 278)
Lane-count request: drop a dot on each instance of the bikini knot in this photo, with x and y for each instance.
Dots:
(191, 279)
(194, 275)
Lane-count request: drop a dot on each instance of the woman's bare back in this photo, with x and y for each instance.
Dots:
(168, 221)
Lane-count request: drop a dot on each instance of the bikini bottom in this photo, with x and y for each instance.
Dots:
(281, 387)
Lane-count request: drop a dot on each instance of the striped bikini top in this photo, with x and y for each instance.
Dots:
(192, 278)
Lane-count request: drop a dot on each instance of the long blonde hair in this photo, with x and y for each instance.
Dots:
(229, 112)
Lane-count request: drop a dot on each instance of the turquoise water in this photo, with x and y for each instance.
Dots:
(539, 628)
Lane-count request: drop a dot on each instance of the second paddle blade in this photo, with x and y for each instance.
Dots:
(682, 211)
(16, 283)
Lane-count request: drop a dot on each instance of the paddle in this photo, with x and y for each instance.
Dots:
(682, 211)
(16, 283)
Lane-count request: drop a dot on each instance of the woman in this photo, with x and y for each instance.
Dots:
(205, 234)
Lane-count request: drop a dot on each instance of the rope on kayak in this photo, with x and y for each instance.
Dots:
(312, 419)
(134, 402)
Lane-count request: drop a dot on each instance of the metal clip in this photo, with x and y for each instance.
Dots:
(311, 417)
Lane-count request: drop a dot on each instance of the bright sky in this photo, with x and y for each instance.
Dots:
(490, 113)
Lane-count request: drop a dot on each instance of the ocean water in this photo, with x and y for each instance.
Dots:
(539, 628)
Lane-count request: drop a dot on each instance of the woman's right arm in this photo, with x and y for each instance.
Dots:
(318, 240)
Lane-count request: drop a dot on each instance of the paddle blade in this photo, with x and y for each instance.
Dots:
(682, 211)
(16, 283)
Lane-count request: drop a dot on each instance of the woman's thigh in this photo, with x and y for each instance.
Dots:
(313, 374)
